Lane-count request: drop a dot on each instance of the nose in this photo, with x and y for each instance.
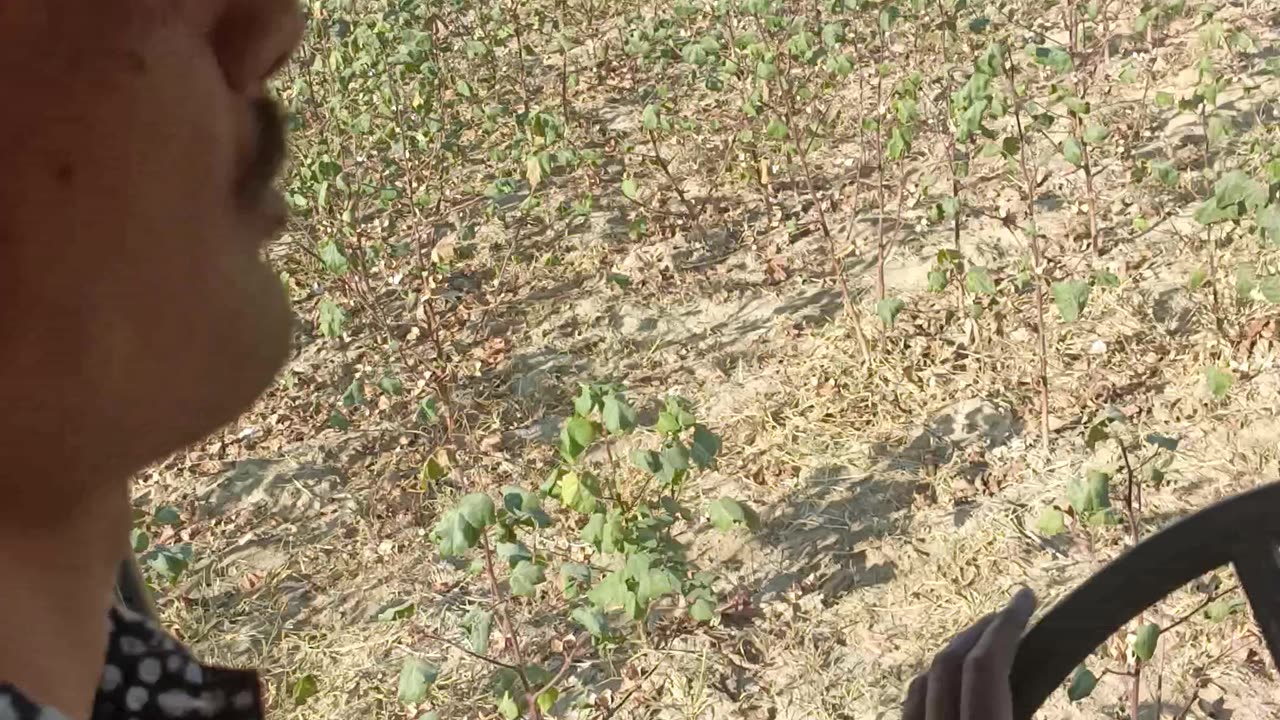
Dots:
(253, 38)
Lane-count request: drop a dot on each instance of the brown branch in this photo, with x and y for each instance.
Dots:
(476, 655)
(675, 184)
(836, 265)
(504, 619)
(564, 670)
(1038, 268)
(1196, 610)
(1133, 502)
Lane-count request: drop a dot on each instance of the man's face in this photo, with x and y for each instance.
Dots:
(138, 151)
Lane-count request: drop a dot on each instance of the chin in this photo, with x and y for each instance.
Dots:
(239, 358)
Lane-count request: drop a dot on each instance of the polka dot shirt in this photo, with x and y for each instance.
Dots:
(149, 676)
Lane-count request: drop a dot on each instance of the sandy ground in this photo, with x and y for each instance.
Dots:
(899, 495)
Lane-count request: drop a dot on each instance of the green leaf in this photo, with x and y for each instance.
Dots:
(1052, 57)
(581, 430)
(592, 620)
(547, 699)
(1197, 279)
(611, 592)
(1219, 129)
(578, 492)
(649, 118)
(619, 417)
(391, 385)
(647, 460)
(170, 562)
(705, 446)
(1246, 280)
(428, 413)
(339, 421)
(1268, 219)
(477, 509)
(667, 423)
(333, 259)
(1237, 187)
(937, 281)
(399, 611)
(1075, 105)
(766, 70)
(898, 144)
(585, 402)
(629, 188)
(1082, 684)
(978, 281)
(432, 472)
(950, 207)
(1210, 212)
(675, 461)
(1097, 433)
(1051, 522)
(654, 584)
(1144, 645)
(1166, 173)
(573, 578)
(1269, 286)
(776, 129)
(990, 150)
(512, 553)
(1098, 487)
(703, 610)
(1106, 278)
(332, 318)
(525, 579)
(479, 626)
(1096, 134)
(1222, 608)
(455, 535)
(612, 535)
(139, 540)
(416, 678)
(971, 121)
(524, 506)
(1091, 495)
(304, 688)
(354, 396)
(888, 16)
(1218, 381)
(677, 408)
(168, 515)
(1070, 297)
(593, 532)
(727, 513)
(832, 34)
(888, 310)
(1165, 99)
(1073, 152)
(507, 707)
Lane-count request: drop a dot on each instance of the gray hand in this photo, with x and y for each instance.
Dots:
(969, 679)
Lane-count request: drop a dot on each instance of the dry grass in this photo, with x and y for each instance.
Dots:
(899, 495)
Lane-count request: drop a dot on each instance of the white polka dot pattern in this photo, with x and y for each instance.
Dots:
(149, 676)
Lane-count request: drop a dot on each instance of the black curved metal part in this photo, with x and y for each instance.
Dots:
(1241, 531)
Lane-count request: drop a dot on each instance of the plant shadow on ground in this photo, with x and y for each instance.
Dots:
(825, 532)
(290, 504)
(719, 333)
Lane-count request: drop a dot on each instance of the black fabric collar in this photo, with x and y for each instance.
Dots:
(147, 675)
